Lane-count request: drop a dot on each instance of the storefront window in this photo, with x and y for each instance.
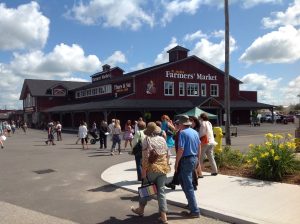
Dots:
(192, 89)
(169, 88)
(214, 90)
(203, 89)
(181, 89)
(94, 92)
(89, 92)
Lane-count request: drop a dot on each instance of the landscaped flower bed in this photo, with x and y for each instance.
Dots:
(273, 160)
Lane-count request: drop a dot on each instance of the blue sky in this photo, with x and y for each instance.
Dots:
(71, 40)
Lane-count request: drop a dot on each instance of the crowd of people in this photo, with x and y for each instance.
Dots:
(151, 145)
(8, 128)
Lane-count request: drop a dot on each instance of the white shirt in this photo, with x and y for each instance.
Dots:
(82, 131)
(206, 129)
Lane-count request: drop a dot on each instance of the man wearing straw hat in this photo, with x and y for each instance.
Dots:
(188, 153)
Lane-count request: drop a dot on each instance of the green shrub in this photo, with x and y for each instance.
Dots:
(274, 158)
(229, 158)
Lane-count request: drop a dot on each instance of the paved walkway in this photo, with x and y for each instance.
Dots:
(228, 198)
(12, 214)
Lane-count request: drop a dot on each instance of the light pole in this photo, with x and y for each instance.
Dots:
(226, 77)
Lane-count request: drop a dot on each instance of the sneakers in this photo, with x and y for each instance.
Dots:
(214, 174)
(190, 215)
(2, 147)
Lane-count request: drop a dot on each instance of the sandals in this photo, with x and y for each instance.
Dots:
(162, 221)
(137, 211)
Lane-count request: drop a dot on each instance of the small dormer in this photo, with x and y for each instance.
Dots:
(177, 53)
(106, 67)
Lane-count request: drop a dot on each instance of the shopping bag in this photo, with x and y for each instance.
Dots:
(3, 137)
(147, 190)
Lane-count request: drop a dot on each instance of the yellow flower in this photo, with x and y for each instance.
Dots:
(262, 155)
(281, 146)
(278, 136)
(276, 158)
(289, 135)
(248, 161)
(269, 136)
(254, 159)
(266, 154)
(251, 146)
(272, 152)
(268, 144)
(293, 145)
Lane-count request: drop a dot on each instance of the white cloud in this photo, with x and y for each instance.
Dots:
(211, 52)
(23, 27)
(194, 36)
(59, 63)
(252, 3)
(177, 7)
(267, 89)
(10, 88)
(282, 46)
(75, 79)
(112, 13)
(163, 57)
(290, 17)
(292, 91)
(115, 58)
(139, 66)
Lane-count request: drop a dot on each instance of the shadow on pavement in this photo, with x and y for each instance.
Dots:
(145, 219)
(253, 182)
(105, 188)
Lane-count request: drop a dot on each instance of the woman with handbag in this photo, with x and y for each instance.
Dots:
(138, 139)
(154, 169)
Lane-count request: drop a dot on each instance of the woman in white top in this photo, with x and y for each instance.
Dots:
(83, 134)
(208, 143)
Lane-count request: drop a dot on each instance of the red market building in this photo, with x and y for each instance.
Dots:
(182, 83)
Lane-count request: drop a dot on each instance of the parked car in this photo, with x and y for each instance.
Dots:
(285, 119)
(290, 118)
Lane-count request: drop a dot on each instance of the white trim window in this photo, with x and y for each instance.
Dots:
(181, 89)
(169, 88)
(214, 90)
(192, 89)
(94, 91)
(203, 89)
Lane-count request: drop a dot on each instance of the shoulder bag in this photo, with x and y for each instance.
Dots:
(147, 190)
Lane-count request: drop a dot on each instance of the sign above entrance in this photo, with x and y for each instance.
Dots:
(183, 75)
(101, 77)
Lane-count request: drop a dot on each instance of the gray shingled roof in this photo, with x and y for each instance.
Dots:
(124, 104)
(131, 104)
(38, 87)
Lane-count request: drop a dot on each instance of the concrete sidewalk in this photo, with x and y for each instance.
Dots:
(228, 198)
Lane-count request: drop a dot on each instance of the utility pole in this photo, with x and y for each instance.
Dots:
(226, 77)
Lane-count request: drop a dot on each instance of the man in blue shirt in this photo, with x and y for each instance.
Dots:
(188, 153)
